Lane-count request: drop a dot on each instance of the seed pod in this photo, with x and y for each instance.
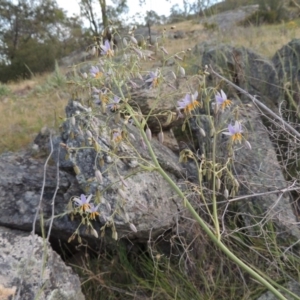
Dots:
(182, 71)
(99, 176)
(226, 193)
(248, 145)
(76, 170)
(126, 217)
(133, 39)
(209, 174)
(89, 134)
(79, 239)
(132, 136)
(122, 193)
(125, 43)
(132, 227)
(236, 183)
(94, 233)
(218, 184)
(202, 132)
(161, 137)
(115, 235)
(149, 133)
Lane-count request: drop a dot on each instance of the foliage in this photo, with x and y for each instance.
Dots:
(33, 35)
(110, 14)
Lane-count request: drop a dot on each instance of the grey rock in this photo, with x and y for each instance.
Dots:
(146, 201)
(245, 68)
(291, 286)
(226, 20)
(287, 65)
(34, 270)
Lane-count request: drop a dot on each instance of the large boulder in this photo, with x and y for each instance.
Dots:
(243, 67)
(30, 269)
(130, 194)
(287, 65)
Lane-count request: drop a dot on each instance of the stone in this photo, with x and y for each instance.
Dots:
(243, 67)
(31, 269)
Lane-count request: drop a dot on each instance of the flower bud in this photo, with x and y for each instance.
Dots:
(202, 132)
(89, 134)
(161, 137)
(133, 39)
(149, 133)
(125, 42)
(132, 136)
(226, 193)
(182, 71)
(99, 176)
(122, 193)
(115, 235)
(94, 233)
(248, 145)
(132, 227)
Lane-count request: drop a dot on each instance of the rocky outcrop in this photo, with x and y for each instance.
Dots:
(247, 69)
(30, 269)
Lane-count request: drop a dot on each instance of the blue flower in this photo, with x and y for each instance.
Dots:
(93, 211)
(235, 132)
(106, 50)
(188, 103)
(114, 105)
(96, 72)
(154, 78)
(222, 101)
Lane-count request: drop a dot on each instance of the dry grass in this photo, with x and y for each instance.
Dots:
(25, 109)
(26, 106)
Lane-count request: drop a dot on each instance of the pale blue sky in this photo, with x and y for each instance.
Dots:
(162, 7)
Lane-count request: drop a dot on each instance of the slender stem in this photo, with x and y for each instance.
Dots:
(214, 198)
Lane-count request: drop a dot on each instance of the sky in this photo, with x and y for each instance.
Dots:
(161, 7)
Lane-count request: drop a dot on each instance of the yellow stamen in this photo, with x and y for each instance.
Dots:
(110, 53)
(155, 82)
(98, 75)
(191, 106)
(93, 215)
(84, 207)
(237, 137)
(225, 104)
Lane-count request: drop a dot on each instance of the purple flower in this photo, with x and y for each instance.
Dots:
(154, 78)
(96, 72)
(235, 132)
(222, 101)
(188, 103)
(83, 202)
(106, 50)
(114, 105)
(117, 136)
(100, 96)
